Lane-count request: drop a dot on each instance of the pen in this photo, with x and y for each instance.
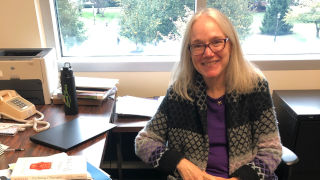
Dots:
(19, 149)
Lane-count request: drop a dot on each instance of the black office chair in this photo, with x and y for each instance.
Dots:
(288, 160)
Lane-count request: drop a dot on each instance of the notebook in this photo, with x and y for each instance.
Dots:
(72, 133)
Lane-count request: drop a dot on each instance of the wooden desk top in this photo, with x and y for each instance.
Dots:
(93, 150)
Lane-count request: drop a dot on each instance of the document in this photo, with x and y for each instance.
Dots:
(137, 106)
(92, 83)
(9, 129)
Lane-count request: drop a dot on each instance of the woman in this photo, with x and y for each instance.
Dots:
(217, 119)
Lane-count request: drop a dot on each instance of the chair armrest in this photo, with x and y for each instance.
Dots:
(288, 157)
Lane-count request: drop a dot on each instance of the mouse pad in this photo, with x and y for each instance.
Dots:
(72, 133)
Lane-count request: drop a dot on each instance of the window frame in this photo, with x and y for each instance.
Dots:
(158, 63)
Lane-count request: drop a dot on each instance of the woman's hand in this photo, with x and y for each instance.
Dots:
(189, 171)
(210, 177)
(220, 178)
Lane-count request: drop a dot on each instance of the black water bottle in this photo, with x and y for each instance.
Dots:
(68, 88)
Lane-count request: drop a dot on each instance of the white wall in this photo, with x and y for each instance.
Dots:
(147, 84)
(19, 28)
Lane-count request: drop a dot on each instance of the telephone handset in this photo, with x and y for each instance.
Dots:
(13, 106)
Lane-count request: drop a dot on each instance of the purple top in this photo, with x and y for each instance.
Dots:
(218, 161)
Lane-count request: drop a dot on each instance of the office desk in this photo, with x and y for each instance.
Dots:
(298, 113)
(93, 150)
(120, 159)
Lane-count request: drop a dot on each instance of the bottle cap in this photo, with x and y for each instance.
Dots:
(67, 69)
(67, 66)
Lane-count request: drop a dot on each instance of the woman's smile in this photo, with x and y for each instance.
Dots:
(210, 63)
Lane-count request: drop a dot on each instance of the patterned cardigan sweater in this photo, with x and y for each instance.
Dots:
(179, 130)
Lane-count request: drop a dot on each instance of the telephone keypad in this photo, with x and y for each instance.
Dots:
(19, 103)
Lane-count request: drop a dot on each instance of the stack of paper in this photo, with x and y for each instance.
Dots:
(136, 106)
(92, 83)
(9, 129)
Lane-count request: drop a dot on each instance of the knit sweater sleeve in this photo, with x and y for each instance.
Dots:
(266, 137)
(150, 143)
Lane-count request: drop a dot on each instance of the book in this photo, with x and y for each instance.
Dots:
(86, 97)
(87, 94)
(97, 173)
(50, 167)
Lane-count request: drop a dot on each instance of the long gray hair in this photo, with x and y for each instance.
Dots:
(241, 75)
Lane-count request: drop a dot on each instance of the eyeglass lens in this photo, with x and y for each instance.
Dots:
(215, 46)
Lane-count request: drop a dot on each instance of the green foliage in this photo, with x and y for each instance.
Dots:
(149, 21)
(180, 24)
(271, 23)
(171, 12)
(238, 12)
(305, 13)
(71, 28)
(137, 22)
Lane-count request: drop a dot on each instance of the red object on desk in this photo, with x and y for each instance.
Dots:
(41, 165)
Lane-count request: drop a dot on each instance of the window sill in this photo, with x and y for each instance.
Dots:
(166, 63)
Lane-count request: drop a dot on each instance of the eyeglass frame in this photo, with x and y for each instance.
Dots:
(208, 45)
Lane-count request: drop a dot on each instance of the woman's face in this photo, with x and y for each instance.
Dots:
(211, 65)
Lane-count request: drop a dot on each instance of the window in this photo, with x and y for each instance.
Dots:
(274, 27)
(122, 28)
(150, 31)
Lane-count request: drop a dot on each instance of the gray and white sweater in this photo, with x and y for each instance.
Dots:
(179, 130)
